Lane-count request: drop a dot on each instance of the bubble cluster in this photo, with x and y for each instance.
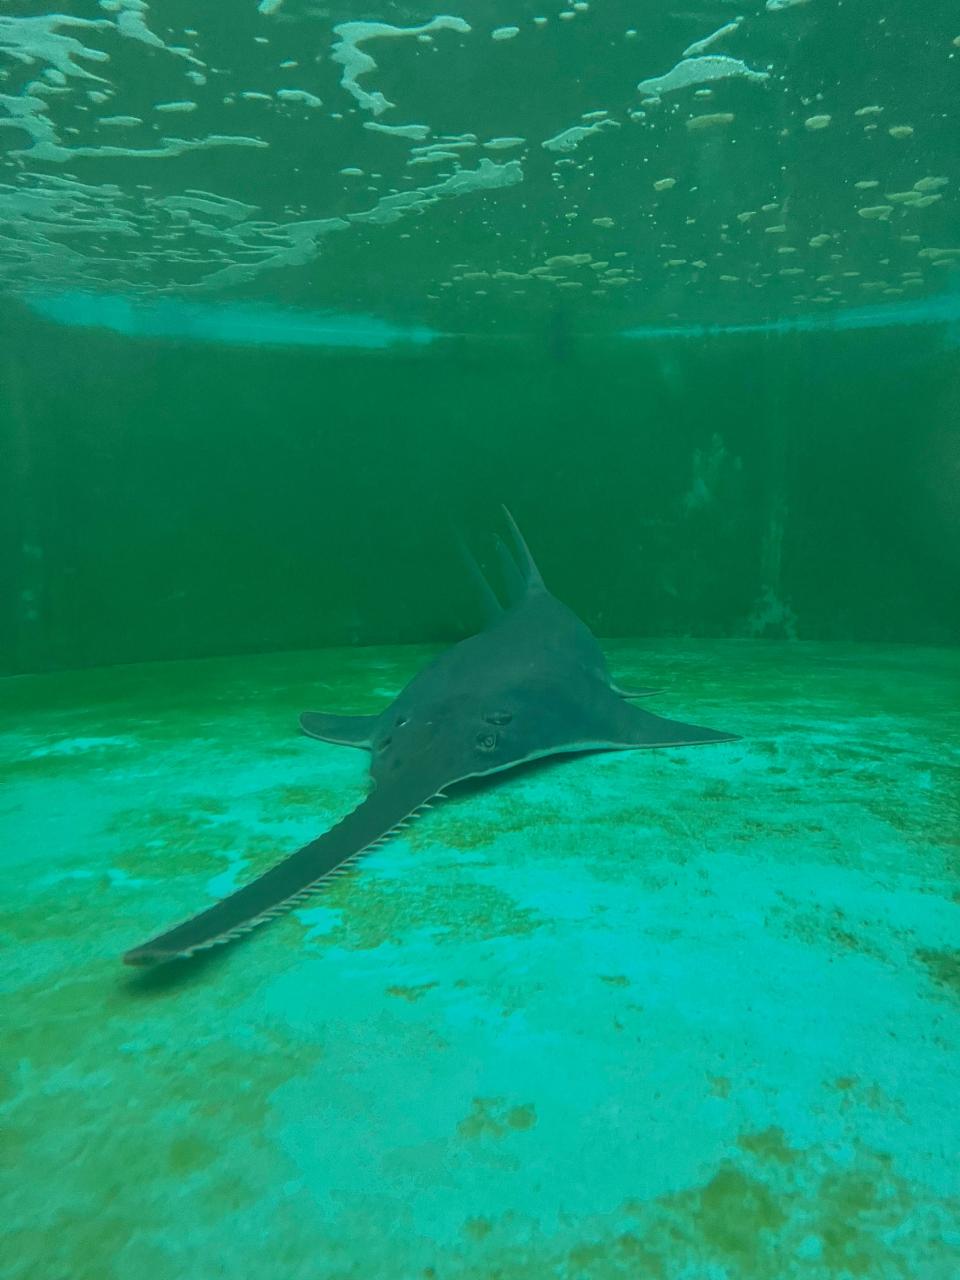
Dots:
(442, 167)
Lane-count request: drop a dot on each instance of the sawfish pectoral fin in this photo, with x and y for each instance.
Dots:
(635, 693)
(343, 731)
(383, 813)
(637, 728)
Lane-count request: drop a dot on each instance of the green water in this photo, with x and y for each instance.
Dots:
(291, 300)
(205, 502)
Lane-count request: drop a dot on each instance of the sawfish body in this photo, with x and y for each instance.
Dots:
(533, 683)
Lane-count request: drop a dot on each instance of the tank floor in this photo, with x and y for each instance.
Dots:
(690, 1014)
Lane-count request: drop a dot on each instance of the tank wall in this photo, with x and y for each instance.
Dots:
(172, 500)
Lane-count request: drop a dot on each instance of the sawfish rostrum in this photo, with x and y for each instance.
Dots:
(533, 683)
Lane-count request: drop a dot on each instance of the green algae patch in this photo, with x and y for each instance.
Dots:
(853, 1205)
(190, 1154)
(943, 968)
(54, 913)
(478, 822)
(769, 1145)
(411, 994)
(807, 1218)
(495, 1118)
(375, 910)
(733, 1213)
(843, 1083)
(157, 866)
(144, 1096)
(617, 1259)
(833, 929)
(798, 1213)
(197, 838)
(315, 798)
(477, 1228)
(179, 841)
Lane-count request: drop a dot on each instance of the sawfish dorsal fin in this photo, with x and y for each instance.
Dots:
(526, 563)
(519, 574)
(492, 608)
(514, 583)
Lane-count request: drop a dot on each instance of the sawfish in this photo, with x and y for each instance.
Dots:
(533, 683)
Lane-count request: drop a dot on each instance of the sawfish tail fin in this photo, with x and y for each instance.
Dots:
(381, 815)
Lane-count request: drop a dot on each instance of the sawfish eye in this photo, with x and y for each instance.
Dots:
(498, 717)
(486, 740)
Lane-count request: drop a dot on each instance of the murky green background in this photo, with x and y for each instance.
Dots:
(170, 501)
